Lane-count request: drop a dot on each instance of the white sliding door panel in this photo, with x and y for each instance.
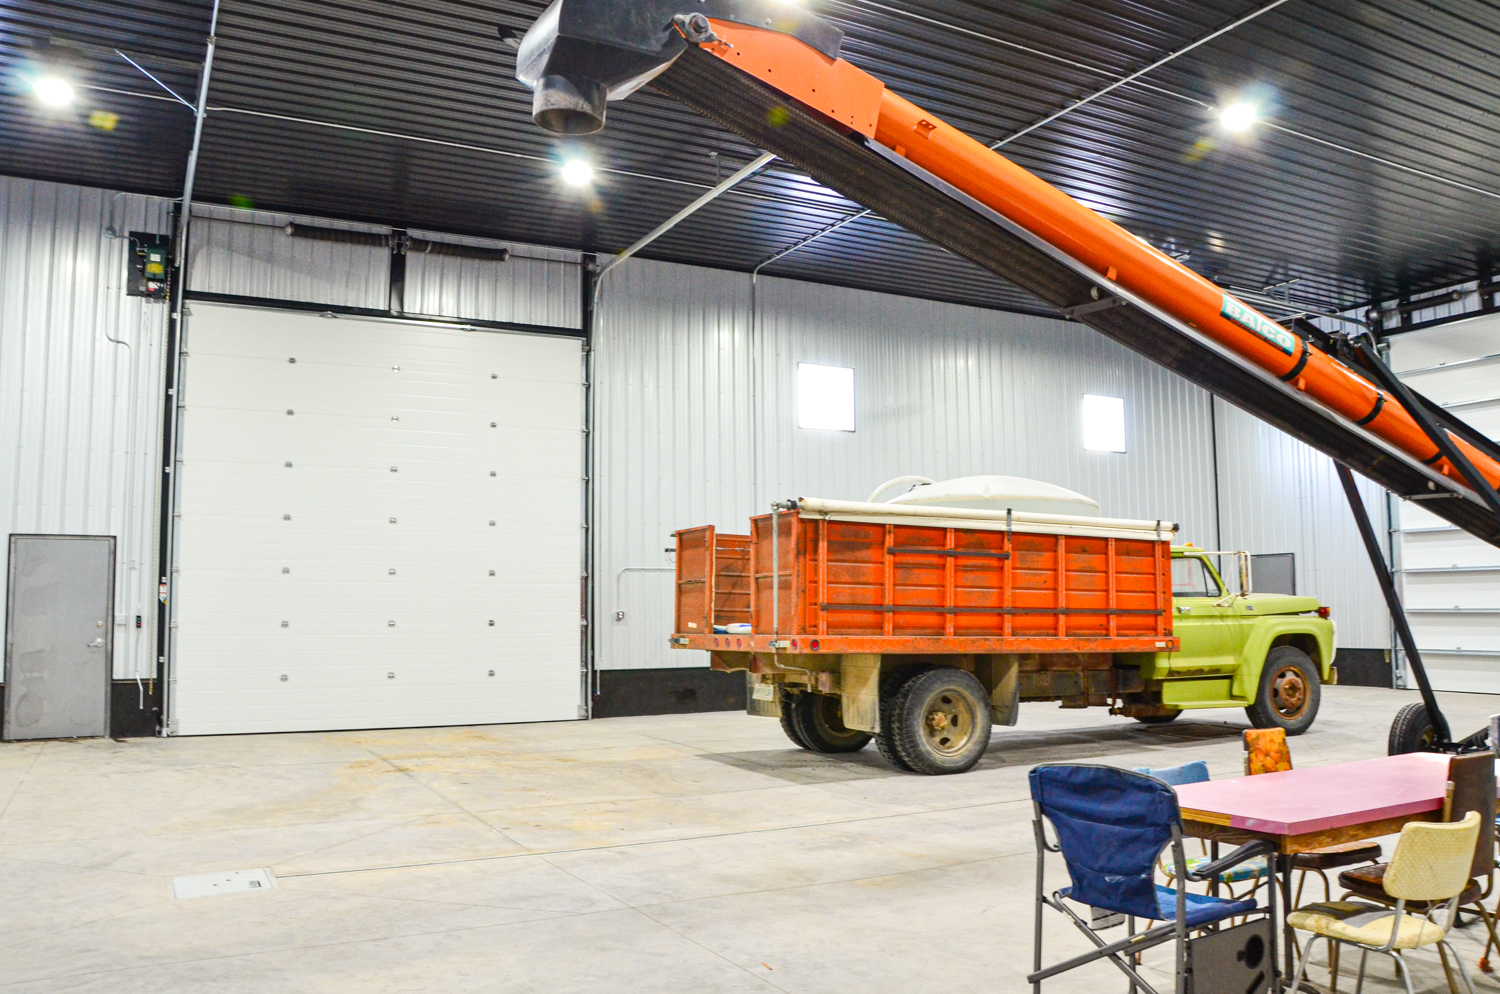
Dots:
(380, 525)
(1450, 580)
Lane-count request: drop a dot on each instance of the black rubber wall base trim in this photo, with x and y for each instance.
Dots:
(672, 690)
(1364, 668)
(127, 719)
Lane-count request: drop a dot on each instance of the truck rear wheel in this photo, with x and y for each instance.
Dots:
(819, 718)
(940, 721)
(1289, 692)
(789, 723)
(1411, 731)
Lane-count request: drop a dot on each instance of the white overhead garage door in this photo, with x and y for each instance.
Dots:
(1450, 580)
(380, 525)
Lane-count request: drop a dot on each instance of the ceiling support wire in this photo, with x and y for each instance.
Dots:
(164, 86)
(724, 186)
(1121, 81)
(1131, 79)
(1102, 91)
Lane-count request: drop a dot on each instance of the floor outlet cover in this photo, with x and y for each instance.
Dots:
(226, 882)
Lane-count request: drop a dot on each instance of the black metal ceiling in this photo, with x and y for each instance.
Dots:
(1377, 171)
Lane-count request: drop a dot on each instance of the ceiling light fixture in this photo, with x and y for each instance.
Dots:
(54, 91)
(1238, 116)
(576, 172)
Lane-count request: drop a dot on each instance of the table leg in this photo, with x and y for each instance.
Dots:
(1287, 938)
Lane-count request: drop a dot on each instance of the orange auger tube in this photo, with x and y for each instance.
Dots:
(1119, 256)
(849, 96)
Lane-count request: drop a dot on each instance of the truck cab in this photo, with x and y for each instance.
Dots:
(1268, 653)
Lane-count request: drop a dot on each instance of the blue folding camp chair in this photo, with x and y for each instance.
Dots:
(1110, 826)
(1254, 870)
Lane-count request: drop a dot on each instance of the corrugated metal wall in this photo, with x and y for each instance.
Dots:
(695, 422)
(80, 416)
(695, 416)
(534, 286)
(249, 254)
(1278, 495)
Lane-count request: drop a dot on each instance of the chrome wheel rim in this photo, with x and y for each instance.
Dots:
(1289, 692)
(948, 723)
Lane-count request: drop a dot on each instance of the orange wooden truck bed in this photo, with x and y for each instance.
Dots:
(836, 577)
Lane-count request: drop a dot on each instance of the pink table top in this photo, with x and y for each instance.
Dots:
(1319, 798)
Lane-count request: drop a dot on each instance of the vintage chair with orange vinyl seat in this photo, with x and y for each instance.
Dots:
(1266, 752)
(1473, 780)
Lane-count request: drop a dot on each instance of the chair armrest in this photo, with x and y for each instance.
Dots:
(1250, 850)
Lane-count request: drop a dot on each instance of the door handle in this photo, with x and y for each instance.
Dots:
(96, 644)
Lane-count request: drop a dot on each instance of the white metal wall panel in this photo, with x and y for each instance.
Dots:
(249, 254)
(391, 521)
(696, 423)
(1450, 580)
(80, 415)
(536, 285)
(1278, 495)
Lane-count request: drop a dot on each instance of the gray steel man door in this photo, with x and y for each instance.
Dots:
(59, 636)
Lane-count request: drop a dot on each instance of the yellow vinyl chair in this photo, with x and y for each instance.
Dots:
(1431, 866)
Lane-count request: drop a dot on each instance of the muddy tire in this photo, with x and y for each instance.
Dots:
(1411, 731)
(1289, 692)
(940, 721)
(819, 719)
(789, 723)
(1158, 719)
(890, 686)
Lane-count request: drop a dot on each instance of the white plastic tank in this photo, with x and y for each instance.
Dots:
(993, 493)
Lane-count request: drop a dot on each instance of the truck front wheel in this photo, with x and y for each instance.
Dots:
(1289, 692)
(940, 721)
(819, 720)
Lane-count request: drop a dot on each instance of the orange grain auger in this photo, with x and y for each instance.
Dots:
(771, 72)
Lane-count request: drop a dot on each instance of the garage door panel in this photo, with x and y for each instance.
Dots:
(1452, 589)
(326, 522)
(1450, 581)
(237, 391)
(351, 343)
(1446, 550)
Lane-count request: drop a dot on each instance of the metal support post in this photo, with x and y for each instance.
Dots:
(1393, 603)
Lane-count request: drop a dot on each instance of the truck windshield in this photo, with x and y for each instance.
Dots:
(1191, 578)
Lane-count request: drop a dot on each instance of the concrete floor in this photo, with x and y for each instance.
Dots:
(696, 853)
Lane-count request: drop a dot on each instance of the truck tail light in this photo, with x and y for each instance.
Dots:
(1324, 612)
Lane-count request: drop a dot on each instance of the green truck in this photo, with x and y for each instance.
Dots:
(1267, 653)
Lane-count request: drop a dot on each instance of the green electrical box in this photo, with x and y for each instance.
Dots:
(148, 267)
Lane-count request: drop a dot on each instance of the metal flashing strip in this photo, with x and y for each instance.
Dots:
(376, 314)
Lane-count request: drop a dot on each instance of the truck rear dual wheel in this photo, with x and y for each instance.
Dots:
(938, 722)
(815, 722)
(1289, 692)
